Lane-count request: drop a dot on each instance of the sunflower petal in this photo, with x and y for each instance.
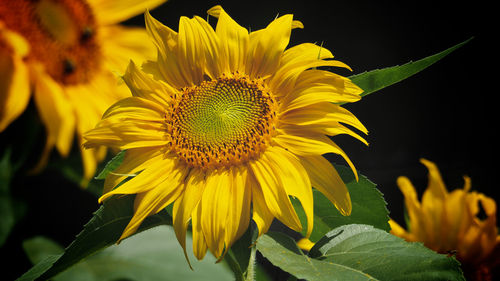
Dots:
(326, 180)
(233, 40)
(184, 206)
(215, 209)
(156, 199)
(14, 87)
(295, 180)
(115, 11)
(274, 193)
(266, 47)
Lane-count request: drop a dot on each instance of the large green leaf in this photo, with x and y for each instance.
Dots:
(359, 252)
(101, 231)
(378, 79)
(368, 206)
(152, 255)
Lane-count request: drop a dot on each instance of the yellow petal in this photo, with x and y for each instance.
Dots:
(115, 11)
(274, 193)
(233, 40)
(134, 161)
(294, 61)
(156, 199)
(260, 212)
(326, 180)
(239, 205)
(323, 113)
(130, 123)
(305, 244)
(294, 179)
(184, 206)
(121, 44)
(55, 111)
(310, 145)
(157, 172)
(199, 243)
(14, 87)
(436, 184)
(397, 230)
(266, 47)
(214, 212)
(145, 86)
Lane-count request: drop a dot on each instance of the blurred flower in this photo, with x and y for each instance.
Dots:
(449, 222)
(64, 52)
(225, 119)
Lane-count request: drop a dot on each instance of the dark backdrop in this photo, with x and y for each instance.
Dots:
(445, 113)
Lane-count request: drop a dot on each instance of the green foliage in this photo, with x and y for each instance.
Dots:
(151, 255)
(114, 163)
(358, 252)
(378, 79)
(101, 231)
(368, 206)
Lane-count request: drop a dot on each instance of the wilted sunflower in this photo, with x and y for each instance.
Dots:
(225, 124)
(449, 223)
(64, 53)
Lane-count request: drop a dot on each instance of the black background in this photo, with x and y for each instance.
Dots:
(445, 114)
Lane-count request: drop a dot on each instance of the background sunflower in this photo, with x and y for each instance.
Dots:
(444, 114)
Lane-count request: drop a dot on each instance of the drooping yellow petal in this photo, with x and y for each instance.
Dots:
(294, 179)
(156, 173)
(55, 111)
(274, 194)
(323, 113)
(134, 161)
(260, 212)
(184, 206)
(156, 199)
(14, 85)
(326, 180)
(310, 145)
(199, 243)
(115, 11)
(239, 205)
(215, 209)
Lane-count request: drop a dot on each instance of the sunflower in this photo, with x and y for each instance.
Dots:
(64, 53)
(226, 125)
(449, 222)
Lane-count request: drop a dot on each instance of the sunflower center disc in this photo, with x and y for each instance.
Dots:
(61, 34)
(222, 122)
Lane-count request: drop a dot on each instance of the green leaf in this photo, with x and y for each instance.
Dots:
(103, 230)
(241, 256)
(114, 163)
(11, 209)
(359, 252)
(282, 252)
(151, 255)
(39, 248)
(368, 206)
(378, 79)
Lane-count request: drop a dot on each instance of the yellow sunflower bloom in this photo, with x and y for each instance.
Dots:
(226, 125)
(448, 222)
(64, 53)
